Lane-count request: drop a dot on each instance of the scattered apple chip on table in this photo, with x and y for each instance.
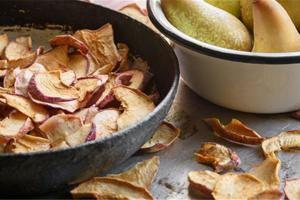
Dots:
(220, 157)
(292, 189)
(235, 132)
(165, 135)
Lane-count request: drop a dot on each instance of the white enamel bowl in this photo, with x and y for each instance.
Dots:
(243, 81)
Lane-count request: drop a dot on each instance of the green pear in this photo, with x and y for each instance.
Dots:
(274, 31)
(231, 6)
(291, 6)
(207, 23)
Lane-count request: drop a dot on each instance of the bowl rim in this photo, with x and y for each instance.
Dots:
(163, 25)
(169, 96)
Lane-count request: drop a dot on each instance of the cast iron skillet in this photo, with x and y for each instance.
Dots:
(42, 172)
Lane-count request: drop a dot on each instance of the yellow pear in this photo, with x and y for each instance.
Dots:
(207, 23)
(291, 6)
(231, 6)
(274, 30)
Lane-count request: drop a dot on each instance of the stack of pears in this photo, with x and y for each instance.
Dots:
(268, 26)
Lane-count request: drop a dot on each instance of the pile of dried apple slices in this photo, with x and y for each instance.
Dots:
(84, 88)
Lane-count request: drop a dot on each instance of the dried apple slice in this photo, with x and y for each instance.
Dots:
(107, 96)
(9, 79)
(84, 134)
(105, 121)
(237, 186)
(69, 40)
(23, 62)
(46, 86)
(80, 64)
(101, 45)
(139, 63)
(219, 156)
(123, 52)
(164, 136)
(67, 78)
(273, 194)
(135, 78)
(27, 143)
(55, 59)
(292, 189)
(235, 132)
(110, 188)
(19, 48)
(58, 127)
(284, 141)
(142, 174)
(135, 103)
(36, 112)
(204, 181)
(268, 172)
(15, 125)
(3, 43)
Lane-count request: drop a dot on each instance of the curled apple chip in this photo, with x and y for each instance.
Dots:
(15, 125)
(292, 189)
(69, 40)
(101, 45)
(203, 181)
(272, 194)
(135, 103)
(36, 112)
(268, 172)
(19, 48)
(237, 186)
(67, 78)
(235, 132)
(110, 188)
(219, 156)
(80, 64)
(107, 96)
(284, 141)
(142, 174)
(58, 127)
(47, 87)
(84, 134)
(27, 143)
(135, 78)
(3, 43)
(55, 59)
(164, 136)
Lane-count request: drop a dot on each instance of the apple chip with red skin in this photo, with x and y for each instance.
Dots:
(36, 112)
(235, 132)
(69, 40)
(84, 134)
(55, 59)
(27, 143)
(110, 188)
(15, 125)
(292, 189)
(107, 96)
(58, 127)
(237, 186)
(80, 64)
(47, 87)
(136, 105)
(284, 141)
(220, 157)
(101, 45)
(164, 136)
(203, 181)
(18, 49)
(3, 43)
(67, 78)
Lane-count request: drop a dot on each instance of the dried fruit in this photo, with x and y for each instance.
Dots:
(123, 52)
(18, 49)
(237, 186)
(204, 181)
(136, 106)
(292, 189)
(110, 188)
(219, 156)
(67, 78)
(142, 174)
(84, 134)
(235, 132)
(268, 172)
(3, 43)
(27, 143)
(272, 194)
(80, 64)
(284, 141)
(60, 40)
(164, 136)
